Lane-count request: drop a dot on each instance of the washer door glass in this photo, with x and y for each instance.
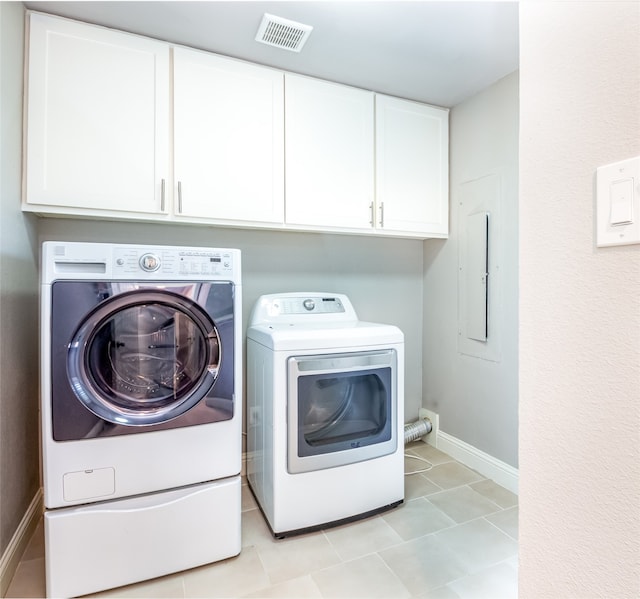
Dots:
(144, 357)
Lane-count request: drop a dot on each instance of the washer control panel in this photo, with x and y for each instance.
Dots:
(66, 260)
(187, 262)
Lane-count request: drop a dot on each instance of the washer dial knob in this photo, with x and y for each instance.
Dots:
(309, 304)
(149, 262)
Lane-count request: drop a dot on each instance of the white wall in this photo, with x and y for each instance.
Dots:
(473, 385)
(579, 305)
(19, 465)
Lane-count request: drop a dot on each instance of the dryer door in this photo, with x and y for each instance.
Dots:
(342, 409)
(144, 357)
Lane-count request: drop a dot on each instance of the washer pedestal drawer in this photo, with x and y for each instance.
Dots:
(105, 545)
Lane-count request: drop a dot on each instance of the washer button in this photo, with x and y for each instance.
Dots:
(150, 262)
(309, 304)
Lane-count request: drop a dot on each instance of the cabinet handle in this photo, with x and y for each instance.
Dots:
(382, 214)
(162, 196)
(371, 216)
(179, 197)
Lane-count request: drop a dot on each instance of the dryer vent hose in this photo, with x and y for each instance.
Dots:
(415, 430)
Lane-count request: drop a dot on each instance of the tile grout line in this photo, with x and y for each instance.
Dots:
(504, 532)
(394, 544)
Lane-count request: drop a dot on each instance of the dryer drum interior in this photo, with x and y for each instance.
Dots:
(353, 409)
(144, 357)
(341, 408)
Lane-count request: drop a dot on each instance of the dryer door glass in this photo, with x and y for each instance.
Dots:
(342, 409)
(144, 357)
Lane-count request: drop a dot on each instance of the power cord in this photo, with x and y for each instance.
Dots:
(416, 457)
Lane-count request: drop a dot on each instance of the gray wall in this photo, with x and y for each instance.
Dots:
(473, 386)
(19, 450)
(382, 277)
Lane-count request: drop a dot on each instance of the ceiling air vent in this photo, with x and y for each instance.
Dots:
(282, 33)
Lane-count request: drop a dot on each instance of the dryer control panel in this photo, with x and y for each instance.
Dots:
(302, 307)
(309, 305)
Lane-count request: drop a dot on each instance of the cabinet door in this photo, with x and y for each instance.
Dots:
(97, 117)
(329, 154)
(412, 165)
(228, 138)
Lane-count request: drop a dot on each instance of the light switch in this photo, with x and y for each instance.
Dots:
(621, 202)
(618, 203)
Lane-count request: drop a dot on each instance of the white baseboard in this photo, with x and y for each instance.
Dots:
(500, 472)
(503, 474)
(18, 543)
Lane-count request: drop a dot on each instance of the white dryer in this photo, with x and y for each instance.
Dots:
(141, 407)
(325, 397)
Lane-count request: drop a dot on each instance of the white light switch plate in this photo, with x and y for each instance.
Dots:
(618, 203)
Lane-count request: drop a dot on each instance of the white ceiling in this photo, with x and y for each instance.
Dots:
(439, 52)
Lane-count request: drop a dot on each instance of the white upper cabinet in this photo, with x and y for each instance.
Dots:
(412, 145)
(228, 139)
(335, 179)
(329, 154)
(122, 126)
(97, 118)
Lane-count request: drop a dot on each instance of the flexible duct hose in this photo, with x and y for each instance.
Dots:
(415, 430)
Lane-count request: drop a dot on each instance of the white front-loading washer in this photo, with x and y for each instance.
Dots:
(325, 397)
(141, 406)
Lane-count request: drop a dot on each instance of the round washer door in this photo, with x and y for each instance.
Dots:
(144, 357)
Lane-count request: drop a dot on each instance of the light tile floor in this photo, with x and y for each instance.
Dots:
(454, 537)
